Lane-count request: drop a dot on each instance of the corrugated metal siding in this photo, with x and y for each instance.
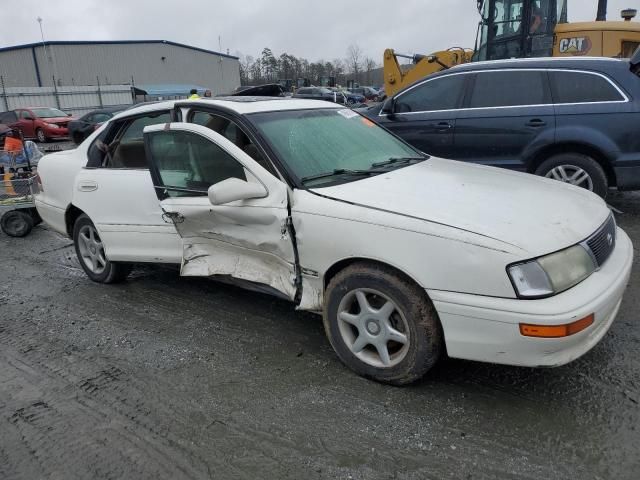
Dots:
(117, 64)
(17, 68)
(71, 99)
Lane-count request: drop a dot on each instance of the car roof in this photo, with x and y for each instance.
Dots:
(240, 105)
(544, 62)
(34, 107)
(576, 63)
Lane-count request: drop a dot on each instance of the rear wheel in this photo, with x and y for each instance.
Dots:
(576, 169)
(381, 325)
(91, 254)
(16, 223)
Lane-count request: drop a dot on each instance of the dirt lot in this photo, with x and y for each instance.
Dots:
(163, 377)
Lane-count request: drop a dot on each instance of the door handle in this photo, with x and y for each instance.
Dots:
(172, 217)
(536, 122)
(87, 186)
(443, 126)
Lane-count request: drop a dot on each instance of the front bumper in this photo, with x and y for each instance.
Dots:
(56, 132)
(486, 329)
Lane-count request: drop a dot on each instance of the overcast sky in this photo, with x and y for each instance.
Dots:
(320, 29)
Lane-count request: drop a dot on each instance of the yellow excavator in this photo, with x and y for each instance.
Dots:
(521, 29)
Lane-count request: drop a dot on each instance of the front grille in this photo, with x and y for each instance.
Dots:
(602, 243)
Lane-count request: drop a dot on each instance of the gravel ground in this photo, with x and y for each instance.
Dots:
(168, 377)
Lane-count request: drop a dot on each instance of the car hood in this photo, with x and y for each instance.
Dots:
(534, 214)
(58, 119)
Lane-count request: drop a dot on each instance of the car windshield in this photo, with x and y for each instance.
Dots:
(48, 112)
(317, 142)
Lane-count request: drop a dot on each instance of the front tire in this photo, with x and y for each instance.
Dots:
(91, 254)
(576, 169)
(40, 136)
(381, 325)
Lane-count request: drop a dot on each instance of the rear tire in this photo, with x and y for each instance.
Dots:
(381, 325)
(576, 169)
(91, 254)
(16, 223)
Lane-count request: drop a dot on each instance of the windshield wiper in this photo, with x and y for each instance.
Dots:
(342, 171)
(398, 161)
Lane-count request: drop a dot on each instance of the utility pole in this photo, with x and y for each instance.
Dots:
(48, 52)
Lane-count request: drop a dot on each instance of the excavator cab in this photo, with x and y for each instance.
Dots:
(517, 28)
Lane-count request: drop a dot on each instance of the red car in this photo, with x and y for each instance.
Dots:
(41, 123)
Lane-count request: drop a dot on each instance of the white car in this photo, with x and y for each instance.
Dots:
(405, 256)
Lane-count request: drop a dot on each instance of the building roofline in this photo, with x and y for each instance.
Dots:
(112, 42)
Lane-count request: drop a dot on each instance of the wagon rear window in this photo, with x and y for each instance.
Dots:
(582, 87)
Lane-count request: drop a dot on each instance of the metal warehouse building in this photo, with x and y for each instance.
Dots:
(141, 62)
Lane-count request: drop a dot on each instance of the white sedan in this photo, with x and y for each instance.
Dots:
(406, 256)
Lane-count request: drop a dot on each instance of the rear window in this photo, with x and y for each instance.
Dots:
(582, 87)
(509, 89)
(8, 117)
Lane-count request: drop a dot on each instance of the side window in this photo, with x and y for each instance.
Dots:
(96, 155)
(629, 48)
(580, 87)
(122, 145)
(509, 89)
(189, 164)
(232, 132)
(439, 94)
(127, 150)
(25, 114)
(99, 118)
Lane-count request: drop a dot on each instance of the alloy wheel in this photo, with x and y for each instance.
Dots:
(571, 174)
(91, 249)
(373, 328)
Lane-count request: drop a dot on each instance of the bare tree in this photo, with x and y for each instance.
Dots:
(354, 59)
(369, 65)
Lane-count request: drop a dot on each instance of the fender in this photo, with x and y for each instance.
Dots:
(587, 136)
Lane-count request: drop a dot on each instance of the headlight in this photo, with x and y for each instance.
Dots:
(52, 125)
(552, 273)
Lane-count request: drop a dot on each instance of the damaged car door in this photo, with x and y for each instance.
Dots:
(231, 213)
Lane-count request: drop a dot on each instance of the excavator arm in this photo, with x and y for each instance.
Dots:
(396, 77)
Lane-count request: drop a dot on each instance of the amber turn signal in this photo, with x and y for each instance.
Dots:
(556, 331)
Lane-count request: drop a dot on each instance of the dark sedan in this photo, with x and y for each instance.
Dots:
(85, 125)
(323, 93)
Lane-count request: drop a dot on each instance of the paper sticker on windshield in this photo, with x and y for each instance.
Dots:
(346, 113)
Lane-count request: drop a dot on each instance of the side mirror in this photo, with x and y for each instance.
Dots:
(69, 114)
(388, 107)
(233, 189)
(27, 117)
